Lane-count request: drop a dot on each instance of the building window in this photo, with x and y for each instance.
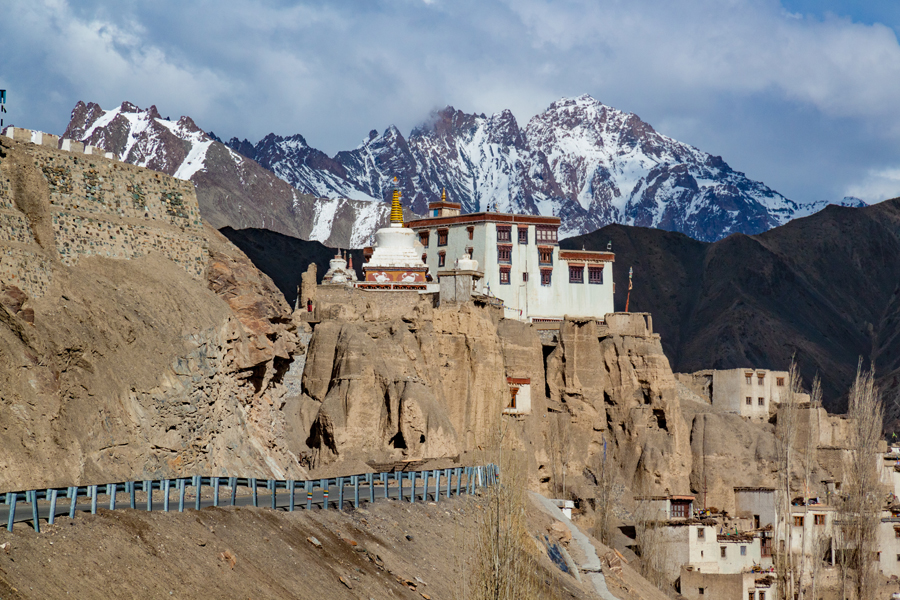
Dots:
(749, 401)
(523, 234)
(878, 556)
(701, 591)
(680, 510)
(760, 379)
(818, 519)
(798, 521)
(761, 401)
(779, 381)
(442, 258)
(897, 532)
(749, 378)
(701, 533)
(576, 274)
(424, 258)
(743, 550)
(525, 276)
(766, 549)
(595, 275)
(470, 251)
(545, 276)
(546, 234)
(442, 237)
(504, 254)
(423, 237)
(504, 233)
(751, 595)
(513, 391)
(762, 596)
(504, 276)
(723, 550)
(471, 231)
(545, 256)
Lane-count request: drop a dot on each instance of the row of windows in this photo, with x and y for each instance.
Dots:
(761, 379)
(817, 520)
(546, 276)
(547, 234)
(749, 401)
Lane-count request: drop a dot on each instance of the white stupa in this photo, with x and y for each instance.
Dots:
(338, 271)
(396, 262)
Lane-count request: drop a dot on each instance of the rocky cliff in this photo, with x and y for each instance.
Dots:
(136, 341)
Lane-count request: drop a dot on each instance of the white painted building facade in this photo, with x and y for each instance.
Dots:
(522, 263)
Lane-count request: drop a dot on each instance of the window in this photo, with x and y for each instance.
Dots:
(442, 258)
(525, 276)
(896, 532)
(470, 251)
(423, 237)
(760, 379)
(442, 237)
(545, 276)
(818, 519)
(701, 591)
(748, 377)
(878, 556)
(723, 550)
(679, 510)
(766, 549)
(504, 254)
(743, 550)
(545, 256)
(762, 596)
(751, 595)
(545, 233)
(503, 233)
(424, 258)
(513, 391)
(471, 231)
(748, 401)
(898, 558)
(761, 401)
(504, 275)
(779, 381)
(595, 275)
(576, 274)
(798, 521)
(701, 533)
(523, 234)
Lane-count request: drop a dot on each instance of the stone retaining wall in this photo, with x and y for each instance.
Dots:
(98, 207)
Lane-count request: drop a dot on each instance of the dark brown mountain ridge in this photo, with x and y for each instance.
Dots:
(822, 288)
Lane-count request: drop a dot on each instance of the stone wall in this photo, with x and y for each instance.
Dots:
(88, 205)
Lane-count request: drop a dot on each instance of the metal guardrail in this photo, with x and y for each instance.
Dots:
(363, 488)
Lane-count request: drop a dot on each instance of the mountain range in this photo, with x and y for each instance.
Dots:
(588, 163)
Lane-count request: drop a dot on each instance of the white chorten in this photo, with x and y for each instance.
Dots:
(397, 256)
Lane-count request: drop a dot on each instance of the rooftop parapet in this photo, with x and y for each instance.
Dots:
(41, 138)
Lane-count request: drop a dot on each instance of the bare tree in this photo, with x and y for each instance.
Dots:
(505, 567)
(606, 497)
(652, 544)
(808, 546)
(785, 442)
(859, 516)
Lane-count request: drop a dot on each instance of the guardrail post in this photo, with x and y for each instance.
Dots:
(437, 485)
(73, 494)
(147, 488)
(340, 484)
(111, 492)
(255, 495)
(398, 475)
(11, 499)
(385, 482)
(290, 484)
(215, 487)
(458, 472)
(271, 484)
(232, 482)
(355, 480)
(370, 479)
(52, 516)
(309, 494)
(166, 484)
(182, 484)
(34, 509)
(198, 485)
(447, 475)
(92, 490)
(425, 489)
(412, 491)
(324, 485)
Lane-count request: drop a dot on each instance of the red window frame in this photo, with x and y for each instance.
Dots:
(442, 237)
(504, 254)
(595, 275)
(504, 233)
(442, 258)
(576, 273)
(546, 276)
(504, 275)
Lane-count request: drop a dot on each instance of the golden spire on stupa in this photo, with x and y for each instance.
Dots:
(396, 209)
(443, 194)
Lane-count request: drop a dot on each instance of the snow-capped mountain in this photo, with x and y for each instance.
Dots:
(232, 189)
(804, 210)
(587, 163)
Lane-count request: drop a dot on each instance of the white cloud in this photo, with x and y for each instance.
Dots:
(877, 186)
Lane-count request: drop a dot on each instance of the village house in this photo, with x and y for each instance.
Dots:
(751, 393)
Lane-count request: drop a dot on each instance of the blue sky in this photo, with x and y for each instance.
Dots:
(800, 94)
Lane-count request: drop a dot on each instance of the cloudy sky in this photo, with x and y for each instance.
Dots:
(801, 94)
